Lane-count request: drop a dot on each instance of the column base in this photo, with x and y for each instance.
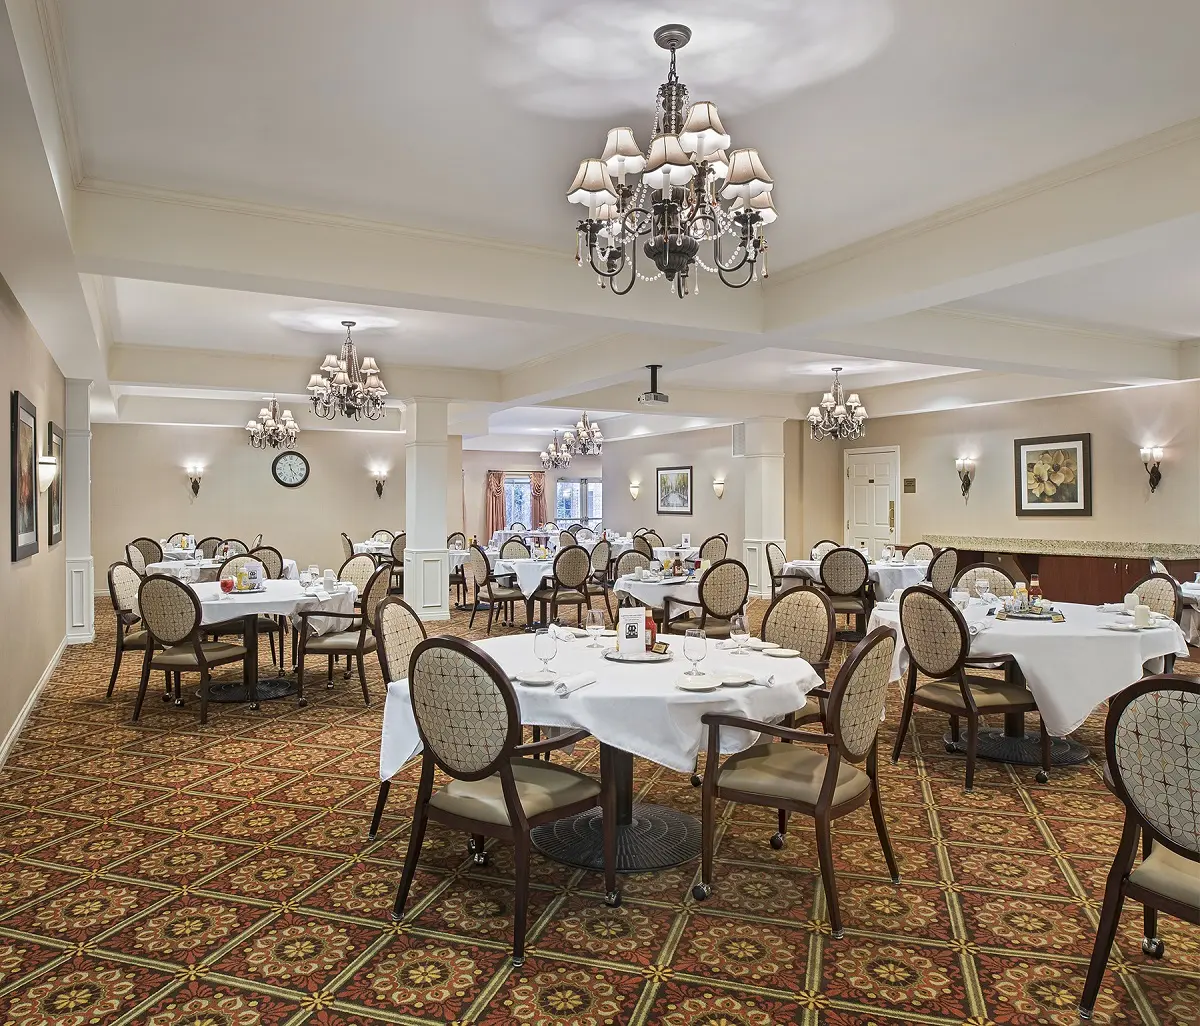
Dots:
(81, 606)
(754, 555)
(427, 582)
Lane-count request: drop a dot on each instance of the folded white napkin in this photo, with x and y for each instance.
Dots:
(979, 626)
(895, 595)
(754, 644)
(320, 594)
(567, 633)
(1112, 607)
(573, 683)
(888, 604)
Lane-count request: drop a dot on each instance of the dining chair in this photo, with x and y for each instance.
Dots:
(257, 543)
(939, 646)
(598, 582)
(713, 548)
(846, 577)
(723, 590)
(629, 561)
(725, 536)
(572, 567)
(458, 581)
(999, 582)
(483, 583)
(395, 560)
(398, 630)
(206, 548)
(271, 559)
(793, 778)
(347, 546)
(574, 530)
(236, 546)
(549, 525)
(358, 570)
(585, 534)
(919, 552)
(803, 619)
(640, 544)
(518, 526)
(655, 540)
(467, 717)
(271, 626)
(823, 548)
(1161, 593)
(515, 548)
(177, 538)
(565, 538)
(640, 531)
(150, 550)
(383, 535)
(941, 570)
(123, 582)
(1157, 566)
(353, 642)
(1151, 728)
(776, 560)
(134, 557)
(172, 615)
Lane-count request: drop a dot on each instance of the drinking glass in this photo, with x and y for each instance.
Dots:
(227, 585)
(983, 588)
(545, 647)
(314, 571)
(695, 648)
(739, 633)
(305, 579)
(666, 562)
(593, 623)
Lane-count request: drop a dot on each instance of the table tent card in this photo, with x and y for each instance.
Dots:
(631, 630)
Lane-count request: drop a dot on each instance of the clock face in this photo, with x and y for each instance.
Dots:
(290, 469)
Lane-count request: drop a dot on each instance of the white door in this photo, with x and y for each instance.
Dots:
(872, 502)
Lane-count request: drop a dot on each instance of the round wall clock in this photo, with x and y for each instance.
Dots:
(290, 469)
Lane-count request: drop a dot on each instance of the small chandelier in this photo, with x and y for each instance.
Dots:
(677, 205)
(837, 416)
(586, 440)
(272, 430)
(344, 386)
(556, 454)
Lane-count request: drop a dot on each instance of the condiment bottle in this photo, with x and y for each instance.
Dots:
(651, 634)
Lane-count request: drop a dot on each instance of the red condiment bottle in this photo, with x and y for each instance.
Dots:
(1035, 587)
(651, 636)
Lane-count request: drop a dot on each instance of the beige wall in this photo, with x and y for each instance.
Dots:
(33, 597)
(709, 453)
(1119, 421)
(477, 462)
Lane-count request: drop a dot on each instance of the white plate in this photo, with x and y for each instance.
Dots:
(608, 634)
(781, 653)
(1123, 627)
(735, 679)
(701, 683)
(537, 678)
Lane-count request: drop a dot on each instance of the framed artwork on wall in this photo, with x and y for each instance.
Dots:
(1053, 475)
(24, 477)
(54, 502)
(674, 492)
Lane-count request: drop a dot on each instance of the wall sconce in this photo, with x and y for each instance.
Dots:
(719, 488)
(634, 488)
(47, 471)
(1151, 458)
(966, 474)
(380, 480)
(194, 474)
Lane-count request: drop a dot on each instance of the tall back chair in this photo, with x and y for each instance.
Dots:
(236, 546)
(918, 553)
(467, 716)
(640, 544)
(629, 561)
(515, 548)
(565, 538)
(123, 584)
(396, 560)
(150, 550)
(235, 563)
(574, 530)
(723, 589)
(347, 546)
(358, 570)
(585, 534)
(1151, 738)
(846, 577)
(481, 583)
(655, 540)
(776, 559)
(598, 582)
(998, 581)
(1161, 594)
(206, 548)
(572, 567)
(456, 536)
(518, 526)
(802, 619)
(178, 537)
(823, 548)
(257, 542)
(942, 570)
(640, 531)
(383, 535)
(794, 778)
(713, 548)
(271, 558)
(134, 557)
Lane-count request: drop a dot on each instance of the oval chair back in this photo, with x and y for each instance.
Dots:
(585, 534)
(151, 551)
(347, 546)
(456, 536)
(858, 694)
(518, 526)
(169, 609)
(134, 557)
(515, 548)
(257, 543)
(123, 583)
(640, 544)
(398, 630)
(1000, 583)
(823, 548)
(724, 587)
(464, 707)
(376, 591)
(383, 535)
(574, 530)
(358, 570)
(629, 561)
(236, 546)
(918, 552)
(565, 539)
(640, 531)
(572, 566)
(942, 570)
(844, 571)
(477, 570)
(271, 558)
(776, 558)
(397, 548)
(1161, 594)
(235, 563)
(178, 537)
(934, 631)
(713, 548)
(600, 555)
(655, 540)
(206, 548)
(801, 619)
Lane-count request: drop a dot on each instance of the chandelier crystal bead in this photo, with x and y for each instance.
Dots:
(556, 455)
(837, 416)
(273, 429)
(347, 387)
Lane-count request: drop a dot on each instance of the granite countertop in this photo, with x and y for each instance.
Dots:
(1065, 547)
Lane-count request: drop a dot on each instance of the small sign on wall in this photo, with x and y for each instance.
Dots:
(910, 486)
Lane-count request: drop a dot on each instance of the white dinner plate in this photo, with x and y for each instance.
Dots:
(608, 634)
(1123, 627)
(702, 683)
(736, 679)
(781, 653)
(537, 678)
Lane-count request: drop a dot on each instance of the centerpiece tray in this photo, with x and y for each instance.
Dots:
(1029, 614)
(636, 657)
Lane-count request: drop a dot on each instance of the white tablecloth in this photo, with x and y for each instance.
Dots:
(370, 547)
(653, 594)
(281, 598)
(1191, 612)
(1070, 667)
(634, 707)
(172, 552)
(662, 552)
(887, 577)
(208, 568)
(458, 557)
(528, 572)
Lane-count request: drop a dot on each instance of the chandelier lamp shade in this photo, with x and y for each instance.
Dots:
(344, 386)
(693, 192)
(556, 455)
(585, 440)
(838, 416)
(272, 430)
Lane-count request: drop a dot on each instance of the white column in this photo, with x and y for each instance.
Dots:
(77, 513)
(764, 498)
(426, 565)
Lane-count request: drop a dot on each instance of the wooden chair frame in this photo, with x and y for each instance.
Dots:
(557, 586)
(127, 619)
(673, 625)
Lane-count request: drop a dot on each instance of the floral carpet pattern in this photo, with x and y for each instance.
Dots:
(162, 874)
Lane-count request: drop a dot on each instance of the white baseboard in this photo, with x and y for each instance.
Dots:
(18, 724)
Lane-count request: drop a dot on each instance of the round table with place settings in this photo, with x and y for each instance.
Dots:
(208, 568)
(1190, 620)
(886, 577)
(654, 592)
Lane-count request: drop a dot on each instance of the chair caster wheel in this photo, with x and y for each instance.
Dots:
(1085, 1015)
(479, 858)
(397, 918)
(370, 837)
(838, 934)
(179, 703)
(950, 747)
(302, 702)
(777, 841)
(968, 790)
(166, 698)
(1153, 947)
(518, 961)
(696, 781)
(613, 899)
(1043, 777)
(701, 892)
(254, 706)
(896, 879)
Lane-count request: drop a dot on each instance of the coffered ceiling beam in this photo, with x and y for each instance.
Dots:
(688, 402)
(231, 413)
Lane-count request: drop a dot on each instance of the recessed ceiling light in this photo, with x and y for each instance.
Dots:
(322, 321)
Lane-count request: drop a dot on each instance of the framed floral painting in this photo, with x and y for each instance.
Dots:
(1054, 476)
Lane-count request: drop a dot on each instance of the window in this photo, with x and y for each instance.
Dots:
(578, 500)
(518, 500)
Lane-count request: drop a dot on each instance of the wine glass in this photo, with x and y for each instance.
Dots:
(593, 623)
(545, 647)
(983, 588)
(227, 585)
(695, 648)
(739, 633)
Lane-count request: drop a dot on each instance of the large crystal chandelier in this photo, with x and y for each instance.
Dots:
(345, 386)
(677, 204)
(585, 440)
(837, 416)
(556, 455)
(272, 430)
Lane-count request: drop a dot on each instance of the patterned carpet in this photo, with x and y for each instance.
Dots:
(161, 874)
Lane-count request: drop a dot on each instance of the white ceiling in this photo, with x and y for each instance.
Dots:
(786, 370)
(870, 113)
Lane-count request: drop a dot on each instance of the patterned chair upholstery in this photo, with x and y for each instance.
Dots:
(134, 557)
(802, 619)
(655, 540)
(1161, 594)
(176, 538)
(271, 559)
(347, 546)
(724, 587)
(148, 549)
(235, 546)
(823, 548)
(358, 570)
(123, 583)
(257, 542)
(598, 582)
(467, 717)
(776, 558)
(941, 571)
(515, 548)
(713, 548)
(1152, 735)
(481, 583)
(395, 559)
(998, 581)
(206, 548)
(383, 535)
(458, 580)
(629, 561)
(565, 539)
(845, 577)
(918, 553)
(640, 544)
(793, 778)
(518, 526)
(572, 568)
(574, 530)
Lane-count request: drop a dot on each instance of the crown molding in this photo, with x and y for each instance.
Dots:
(50, 19)
(1125, 153)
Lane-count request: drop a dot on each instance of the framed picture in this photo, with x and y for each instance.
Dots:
(1053, 476)
(24, 477)
(674, 492)
(54, 504)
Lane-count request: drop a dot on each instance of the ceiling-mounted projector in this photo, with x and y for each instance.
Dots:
(654, 397)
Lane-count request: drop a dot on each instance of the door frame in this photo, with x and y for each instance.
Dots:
(862, 451)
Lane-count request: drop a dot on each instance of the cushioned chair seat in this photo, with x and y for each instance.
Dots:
(847, 604)
(541, 786)
(181, 658)
(564, 595)
(136, 639)
(340, 642)
(500, 594)
(789, 771)
(987, 693)
(1170, 875)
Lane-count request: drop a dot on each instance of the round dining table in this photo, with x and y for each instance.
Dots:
(182, 568)
(656, 592)
(885, 576)
(632, 709)
(1190, 620)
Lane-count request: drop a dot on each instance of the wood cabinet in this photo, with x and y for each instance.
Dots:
(1095, 579)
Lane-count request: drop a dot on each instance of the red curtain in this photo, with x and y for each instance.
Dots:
(493, 505)
(537, 491)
